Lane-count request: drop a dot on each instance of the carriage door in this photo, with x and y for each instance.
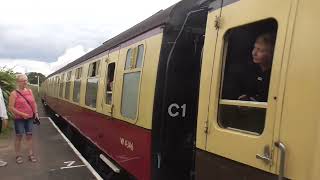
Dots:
(243, 103)
(108, 84)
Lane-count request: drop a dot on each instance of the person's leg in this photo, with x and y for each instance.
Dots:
(2, 163)
(19, 129)
(28, 128)
(29, 144)
(18, 144)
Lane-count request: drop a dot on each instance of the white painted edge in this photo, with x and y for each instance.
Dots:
(109, 163)
(77, 152)
(72, 167)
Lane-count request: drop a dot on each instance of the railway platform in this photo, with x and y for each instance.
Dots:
(57, 158)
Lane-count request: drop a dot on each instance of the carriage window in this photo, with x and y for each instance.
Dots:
(128, 59)
(131, 82)
(61, 86)
(130, 94)
(92, 85)
(246, 76)
(140, 55)
(56, 89)
(110, 82)
(93, 69)
(68, 83)
(50, 87)
(77, 84)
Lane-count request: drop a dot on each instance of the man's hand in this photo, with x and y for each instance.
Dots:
(243, 97)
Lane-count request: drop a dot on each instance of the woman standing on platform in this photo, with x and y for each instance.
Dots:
(23, 105)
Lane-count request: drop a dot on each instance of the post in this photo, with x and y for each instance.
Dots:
(38, 84)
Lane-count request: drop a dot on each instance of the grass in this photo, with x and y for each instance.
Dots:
(7, 131)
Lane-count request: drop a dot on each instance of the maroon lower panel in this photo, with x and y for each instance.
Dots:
(127, 144)
(213, 167)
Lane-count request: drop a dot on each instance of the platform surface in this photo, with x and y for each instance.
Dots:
(56, 158)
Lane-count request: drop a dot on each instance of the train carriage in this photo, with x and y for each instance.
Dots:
(162, 99)
(114, 95)
(276, 138)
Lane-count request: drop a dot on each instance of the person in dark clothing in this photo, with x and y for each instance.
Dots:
(254, 85)
(248, 82)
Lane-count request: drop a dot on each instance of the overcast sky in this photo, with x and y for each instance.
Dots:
(42, 35)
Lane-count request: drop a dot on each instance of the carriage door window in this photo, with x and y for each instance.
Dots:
(68, 83)
(92, 84)
(49, 87)
(109, 84)
(61, 86)
(56, 89)
(131, 81)
(140, 56)
(128, 59)
(245, 77)
(77, 84)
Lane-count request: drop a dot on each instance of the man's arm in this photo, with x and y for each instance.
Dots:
(3, 111)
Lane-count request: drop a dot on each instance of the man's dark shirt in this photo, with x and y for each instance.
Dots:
(250, 81)
(255, 83)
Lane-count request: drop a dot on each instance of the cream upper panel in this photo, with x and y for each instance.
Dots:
(300, 126)
(206, 75)
(152, 47)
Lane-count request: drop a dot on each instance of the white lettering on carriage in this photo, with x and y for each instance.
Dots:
(126, 143)
(174, 112)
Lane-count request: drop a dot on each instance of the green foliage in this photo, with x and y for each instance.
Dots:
(35, 92)
(7, 84)
(33, 77)
(7, 132)
(7, 81)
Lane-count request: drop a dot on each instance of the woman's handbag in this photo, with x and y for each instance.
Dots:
(34, 118)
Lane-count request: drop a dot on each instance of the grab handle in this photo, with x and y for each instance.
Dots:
(282, 148)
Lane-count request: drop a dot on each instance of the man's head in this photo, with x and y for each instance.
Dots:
(262, 52)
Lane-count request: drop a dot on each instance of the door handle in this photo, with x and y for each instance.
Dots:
(266, 157)
(282, 148)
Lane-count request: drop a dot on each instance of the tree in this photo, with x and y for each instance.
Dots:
(7, 84)
(33, 77)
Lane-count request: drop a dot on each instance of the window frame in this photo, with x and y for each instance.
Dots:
(97, 76)
(133, 69)
(106, 82)
(77, 78)
(236, 102)
(61, 96)
(68, 80)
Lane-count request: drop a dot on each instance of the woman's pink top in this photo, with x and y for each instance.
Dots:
(22, 105)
